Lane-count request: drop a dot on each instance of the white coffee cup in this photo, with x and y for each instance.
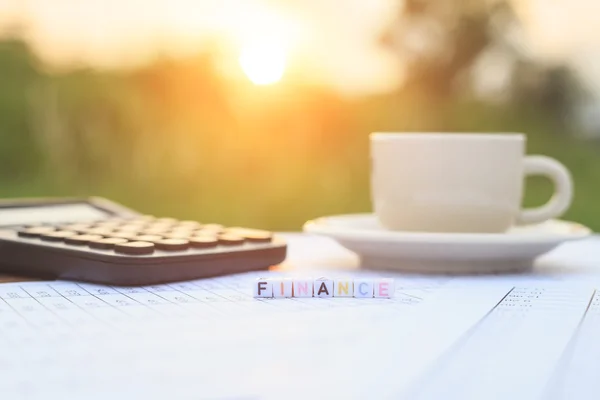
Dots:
(459, 182)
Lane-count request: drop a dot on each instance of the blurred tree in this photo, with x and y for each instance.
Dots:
(442, 43)
(551, 90)
(19, 151)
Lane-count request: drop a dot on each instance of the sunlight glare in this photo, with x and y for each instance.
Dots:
(263, 62)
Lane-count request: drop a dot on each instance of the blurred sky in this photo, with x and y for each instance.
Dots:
(335, 41)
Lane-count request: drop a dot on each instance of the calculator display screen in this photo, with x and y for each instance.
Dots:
(54, 213)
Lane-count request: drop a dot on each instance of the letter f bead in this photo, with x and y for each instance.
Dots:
(263, 288)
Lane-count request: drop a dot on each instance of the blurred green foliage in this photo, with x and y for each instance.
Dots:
(176, 139)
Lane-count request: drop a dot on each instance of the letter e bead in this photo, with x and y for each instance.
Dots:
(323, 287)
(263, 288)
(363, 288)
(384, 287)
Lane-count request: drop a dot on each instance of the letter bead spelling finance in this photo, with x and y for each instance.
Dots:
(324, 287)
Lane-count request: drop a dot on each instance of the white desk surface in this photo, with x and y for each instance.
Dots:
(525, 336)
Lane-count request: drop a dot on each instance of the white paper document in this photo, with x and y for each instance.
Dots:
(517, 337)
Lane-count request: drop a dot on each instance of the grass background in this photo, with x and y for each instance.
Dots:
(174, 139)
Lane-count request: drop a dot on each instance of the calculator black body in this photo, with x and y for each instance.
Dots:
(57, 260)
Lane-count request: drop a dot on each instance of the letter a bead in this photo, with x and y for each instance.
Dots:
(363, 288)
(282, 287)
(323, 287)
(343, 288)
(384, 287)
(263, 288)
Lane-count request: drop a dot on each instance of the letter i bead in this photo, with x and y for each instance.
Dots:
(384, 287)
(282, 287)
(323, 287)
(363, 287)
(303, 287)
(263, 288)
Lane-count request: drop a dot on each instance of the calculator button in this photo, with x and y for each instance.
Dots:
(155, 231)
(173, 244)
(202, 242)
(142, 224)
(252, 235)
(259, 237)
(213, 227)
(107, 225)
(205, 234)
(99, 231)
(25, 234)
(106, 243)
(36, 231)
(149, 238)
(171, 221)
(123, 235)
(140, 219)
(229, 239)
(131, 228)
(135, 248)
(145, 218)
(189, 224)
(57, 236)
(165, 225)
(139, 224)
(76, 227)
(178, 235)
(80, 240)
(235, 229)
(116, 220)
(84, 231)
(183, 229)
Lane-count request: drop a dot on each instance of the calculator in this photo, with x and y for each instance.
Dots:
(96, 240)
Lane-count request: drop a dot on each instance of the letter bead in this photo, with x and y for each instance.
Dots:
(282, 287)
(323, 287)
(263, 288)
(363, 288)
(384, 287)
(303, 287)
(343, 288)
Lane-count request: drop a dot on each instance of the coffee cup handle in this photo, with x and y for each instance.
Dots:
(563, 189)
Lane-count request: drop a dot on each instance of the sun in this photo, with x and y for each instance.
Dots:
(263, 62)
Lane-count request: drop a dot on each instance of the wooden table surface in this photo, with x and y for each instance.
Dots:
(4, 278)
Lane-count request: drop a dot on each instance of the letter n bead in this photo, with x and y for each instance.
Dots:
(363, 288)
(384, 287)
(263, 288)
(303, 287)
(323, 287)
(343, 288)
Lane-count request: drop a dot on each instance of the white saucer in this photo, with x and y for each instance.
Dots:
(423, 252)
